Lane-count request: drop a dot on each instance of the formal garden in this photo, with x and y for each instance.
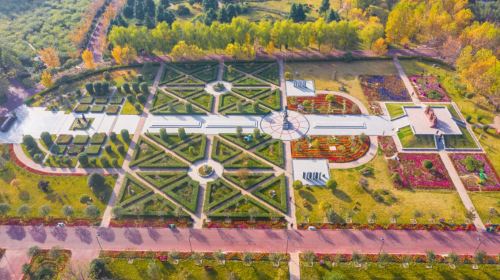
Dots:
(337, 149)
(429, 89)
(46, 264)
(197, 265)
(476, 171)
(410, 140)
(384, 88)
(323, 104)
(381, 266)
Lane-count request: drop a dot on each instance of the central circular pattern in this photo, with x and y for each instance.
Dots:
(205, 171)
(272, 124)
(218, 87)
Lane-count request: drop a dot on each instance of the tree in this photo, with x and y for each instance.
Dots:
(88, 58)
(220, 257)
(150, 8)
(139, 10)
(309, 257)
(428, 164)
(247, 258)
(452, 260)
(99, 270)
(23, 210)
(125, 135)
(210, 4)
(68, 211)
(83, 159)
(197, 258)
(297, 12)
(276, 258)
(92, 211)
(256, 133)
(470, 215)
(479, 71)
(239, 131)
(175, 256)
(479, 257)
(431, 257)
(325, 6)
(123, 55)
(163, 134)
(331, 184)
(4, 209)
(50, 57)
(297, 184)
(29, 142)
(154, 271)
(182, 133)
(33, 251)
(379, 47)
(44, 211)
(96, 180)
(332, 16)
(46, 79)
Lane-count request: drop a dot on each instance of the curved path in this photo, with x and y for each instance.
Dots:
(370, 154)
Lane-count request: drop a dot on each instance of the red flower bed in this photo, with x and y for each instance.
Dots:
(245, 224)
(320, 105)
(163, 255)
(384, 88)
(471, 174)
(163, 223)
(398, 258)
(337, 149)
(413, 174)
(387, 145)
(439, 227)
(429, 89)
(52, 222)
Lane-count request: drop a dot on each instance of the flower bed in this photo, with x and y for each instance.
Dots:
(429, 89)
(413, 174)
(320, 105)
(387, 145)
(52, 265)
(245, 224)
(163, 255)
(16, 221)
(159, 223)
(337, 149)
(384, 88)
(439, 227)
(469, 167)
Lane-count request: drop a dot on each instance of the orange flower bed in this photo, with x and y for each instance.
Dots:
(338, 149)
(319, 105)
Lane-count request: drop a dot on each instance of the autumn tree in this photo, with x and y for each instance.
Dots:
(50, 57)
(479, 71)
(46, 79)
(379, 47)
(88, 59)
(123, 55)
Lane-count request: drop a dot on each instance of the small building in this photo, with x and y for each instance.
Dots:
(300, 88)
(313, 172)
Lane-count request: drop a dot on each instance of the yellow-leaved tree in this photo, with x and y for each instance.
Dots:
(46, 79)
(379, 46)
(88, 59)
(479, 71)
(182, 50)
(50, 57)
(123, 55)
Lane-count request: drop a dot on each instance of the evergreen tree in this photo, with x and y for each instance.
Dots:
(210, 4)
(165, 3)
(332, 16)
(128, 11)
(325, 6)
(139, 10)
(209, 17)
(223, 15)
(150, 8)
(297, 12)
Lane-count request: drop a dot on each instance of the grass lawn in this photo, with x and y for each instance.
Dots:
(129, 109)
(410, 140)
(491, 145)
(350, 196)
(484, 201)
(396, 109)
(396, 271)
(187, 269)
(334, 75)
(66, 190)
(464, 141)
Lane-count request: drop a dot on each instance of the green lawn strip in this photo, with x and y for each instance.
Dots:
(274, 192)
(410, 140)
(172, 140)
(270, 73)
(87, 100)
(98, 138)
(113, 110)
(186, 81)
(184, 192)
(194, 149)
(228, 100)
(161, 99)
(222, 151)
(93, 150)
(64, 139)
(484, 202)
(144, 150)
(249, 81)
(121, 268)
(162, 160)
(396, 271)
(272, 99)
(177, 107)
(64, 190)
(217, 192)
(81, 139)
(240, 141)
(203, 100)
(74, 150)
(208, 74)
(464, 141)
(132, 190)
(396, 110)
(273, 151)
(81, 108)
(170, 75)
(129, 109)
(97, 109)
(231, 75)
(183, 92)
(250, 92)
(160, 179)
(116, 100)
(246, 161)
(242, 207)
(247, 108)
(246, 181)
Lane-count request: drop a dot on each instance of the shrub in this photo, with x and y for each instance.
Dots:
(125, 135)
(163, 134)
(105, 162)
(135, 87)
(138, 107)
(95, 180)
(114, 162)
(84, 199)
(108, 149)
(297, 184)
(29, 142)
(126, 88)
(142, 98)
(112, 136)
(331, 184)
(83, 159)
(144, 88)
(121, 149)
(428, 164)
(182, 133)
(46, 138)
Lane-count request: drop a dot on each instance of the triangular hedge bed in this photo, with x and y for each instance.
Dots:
(184, 192)
(239, 208)
(274, 192)
(217, 192)
(252, 179)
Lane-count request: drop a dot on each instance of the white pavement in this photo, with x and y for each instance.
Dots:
(349, 125)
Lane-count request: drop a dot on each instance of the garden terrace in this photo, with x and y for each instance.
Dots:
(242, 208)
(246, 161)
(241, 141)
(160, 179)
(249, 81)
(218, 192)
(476, 171)
(193, 148)
(148, 155)
(429, 89)
(222, 151)
(464, 141)
(246, 179)
(260, 267)
(387, 145)
(185, 192)
(48, 264)
(409, 140)
(337, 149)
(415, 171)
(273, 151)
(253, 66)
(384, 88)
(363, 198)
(320, 104)
(274, 192)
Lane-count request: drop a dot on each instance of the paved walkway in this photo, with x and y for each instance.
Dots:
(462, 192)
(406, 81)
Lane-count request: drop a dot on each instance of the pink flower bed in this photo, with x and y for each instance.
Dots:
(414, 175)
(429, 89)
(471, 179)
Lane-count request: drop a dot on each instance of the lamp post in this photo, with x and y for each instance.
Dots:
(382, 245)
(189, 240)
(98, 242)
(479, 244)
